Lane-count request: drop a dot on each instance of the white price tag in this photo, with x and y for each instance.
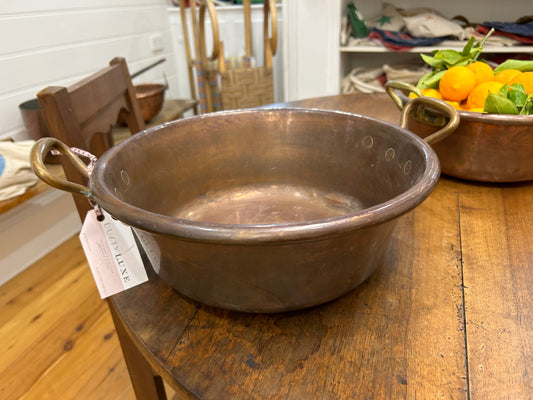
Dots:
(112, 254)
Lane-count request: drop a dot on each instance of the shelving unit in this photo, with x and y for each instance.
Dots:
(428, 49)
(315, 63)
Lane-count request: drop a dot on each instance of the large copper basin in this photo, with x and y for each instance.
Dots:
(263, 210)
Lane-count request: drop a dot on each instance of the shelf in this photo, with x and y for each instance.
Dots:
(429, 49)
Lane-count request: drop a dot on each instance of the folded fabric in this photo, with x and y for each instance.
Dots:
(493, 40)
(407, 73)
(16, 175)
(429, 25)
(390, 19)
(525, 29)
(364, 80)
(522, 39)
(399, 41)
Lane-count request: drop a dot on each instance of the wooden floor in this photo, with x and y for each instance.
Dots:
(57, 339)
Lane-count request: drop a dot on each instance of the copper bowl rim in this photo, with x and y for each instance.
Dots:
(271, 233)
(497, 119)
(145, 90)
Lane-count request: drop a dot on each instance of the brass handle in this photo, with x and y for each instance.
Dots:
(391, 85)
(406, 107)
(39, 151)
(440, 105)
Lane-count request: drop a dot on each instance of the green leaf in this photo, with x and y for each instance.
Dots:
(521, 65)
(503, 91)
(517, 97)
(450, 57)
(519, 87)
(495, 104)
(528, 107)
(430, 80)
(468, 47)
(432, 61)
(422, 81)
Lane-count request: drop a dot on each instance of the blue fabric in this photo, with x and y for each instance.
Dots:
(510, 27)
(401, 41)
(2, 164)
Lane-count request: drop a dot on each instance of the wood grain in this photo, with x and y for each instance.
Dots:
(497, 226)
(57, 340)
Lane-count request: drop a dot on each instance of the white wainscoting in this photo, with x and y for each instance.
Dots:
(58, 42)
(34, 228)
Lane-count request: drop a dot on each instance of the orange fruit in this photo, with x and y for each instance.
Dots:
(432, 93)
(476, 98)
(454, 104)
(428, 92)
(526, 79)
(457, 83)
(482, 71)
(506, 75)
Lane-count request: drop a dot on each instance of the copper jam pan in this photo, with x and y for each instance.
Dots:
(484, 147)
(261, 210)
(151, 97)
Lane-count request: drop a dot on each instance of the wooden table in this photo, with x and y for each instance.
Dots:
(449, 314)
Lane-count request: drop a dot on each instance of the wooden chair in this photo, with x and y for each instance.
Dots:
(81, 116)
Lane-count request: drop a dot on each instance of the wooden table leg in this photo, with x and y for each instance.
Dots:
(146, 384)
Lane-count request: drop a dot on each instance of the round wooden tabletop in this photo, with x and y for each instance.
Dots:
(447, 314)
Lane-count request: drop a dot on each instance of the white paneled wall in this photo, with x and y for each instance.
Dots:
(61, 41)
(57, 42)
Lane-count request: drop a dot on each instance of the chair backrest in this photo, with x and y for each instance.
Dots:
(83, 114)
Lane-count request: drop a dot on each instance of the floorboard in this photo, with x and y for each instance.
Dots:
(57, 339)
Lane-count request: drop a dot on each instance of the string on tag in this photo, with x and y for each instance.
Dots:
(97, 210)
(90, 166)
(91, 157)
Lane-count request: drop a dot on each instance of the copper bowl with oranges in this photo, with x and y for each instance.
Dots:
(484, 148)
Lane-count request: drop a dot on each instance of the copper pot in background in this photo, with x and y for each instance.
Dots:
(150, 97)
(33, 119)
(485, 147)
(35, 124)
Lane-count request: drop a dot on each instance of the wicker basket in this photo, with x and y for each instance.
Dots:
(247, 88)
(222, 86)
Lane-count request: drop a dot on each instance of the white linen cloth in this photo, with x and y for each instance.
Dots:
(16, 174)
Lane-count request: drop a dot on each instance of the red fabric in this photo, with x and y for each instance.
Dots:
(524, 39)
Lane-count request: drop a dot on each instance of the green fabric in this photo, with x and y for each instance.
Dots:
(359, 29)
